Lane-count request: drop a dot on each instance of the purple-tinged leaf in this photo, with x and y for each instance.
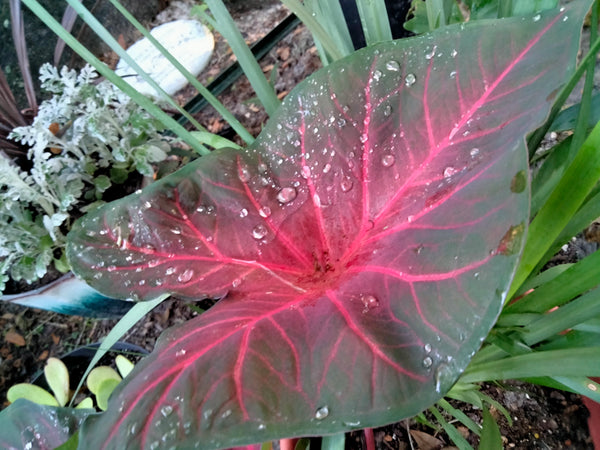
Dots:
(26, 425)
(362, 245)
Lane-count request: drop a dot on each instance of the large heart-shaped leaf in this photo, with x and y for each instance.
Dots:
(363, 245)
(26, 425)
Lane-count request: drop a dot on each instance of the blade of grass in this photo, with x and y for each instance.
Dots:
(589, 212)
(533, 142)
(137, 312)
(374, 20)
(563, 318)
(317, 30)
(208, 96)
(460, 416)
(582, 386)
(578, 181)
(450, 430)
(334, 442)
(573, 362)
(580, 277)
(545, 277)
(490, 434)
(331, 16)
(140, 99)
(225, 25)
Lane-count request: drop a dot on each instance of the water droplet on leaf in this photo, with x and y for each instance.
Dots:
(322, 413)
(369, 301)
(427, 362)
(259, 232)
(166, 410)
(431, 54)
(449, 171)
(377, 75)
(410, 79)
(265, 211)
(392, 66)
(388, 160)
(427, 348)
(346, 185)
(286, 195)
(537, 17)
(443, 378)
(387, 111)
(305, 172)
(185, 276)
(243, 213)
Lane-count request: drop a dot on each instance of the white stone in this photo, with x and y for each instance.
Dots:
(190, 42)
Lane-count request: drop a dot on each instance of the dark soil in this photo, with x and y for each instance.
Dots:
(542, 418)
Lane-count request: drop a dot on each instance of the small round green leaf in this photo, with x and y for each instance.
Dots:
(123, 365)
(100, 374)
(32, 393)
(86, 403)
(57, 376)
(104, 390)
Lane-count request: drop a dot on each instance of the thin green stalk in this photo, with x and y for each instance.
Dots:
(573, 362)
(126, 323)
(225, 25)
(563, 318)
(534, 141)
(570, 193)
(374, 20)
(140, 99)
(577, 279)
(208, 96)
(452, 432)
(107, 38)
(331, 16)
(315, 27)
(586, 99)
(333, 442)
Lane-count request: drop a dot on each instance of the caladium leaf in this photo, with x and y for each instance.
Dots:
(362, 246)
(29, 425)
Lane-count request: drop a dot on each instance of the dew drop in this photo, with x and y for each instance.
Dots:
(265, 212)
(176, 230)
(449, 171)
(409, 219)
(147, 205)
(244, 174)
(170, 271)
(565, 18)
(453, 53)
(327, 168)
(226, 414)
(346, 185)
(377, 75)
(537, 17)
(322, 413)
(453, 74)
(427, 348)
(474, 152)
(370, 302)
(262, 426)
(352, 424)
(431, 54)
(305, 172)
(185, 276)
(286, 195)
(341, 123)
(388, 160)
(392, 66)
(427, 362)
(180, 352)
(443, 378)
(166, 410)
(259, 232)
(387, 111)
(243, 213)
(364, 137)
(410, 79)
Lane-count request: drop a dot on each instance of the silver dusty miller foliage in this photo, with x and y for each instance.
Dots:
(99, 137)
